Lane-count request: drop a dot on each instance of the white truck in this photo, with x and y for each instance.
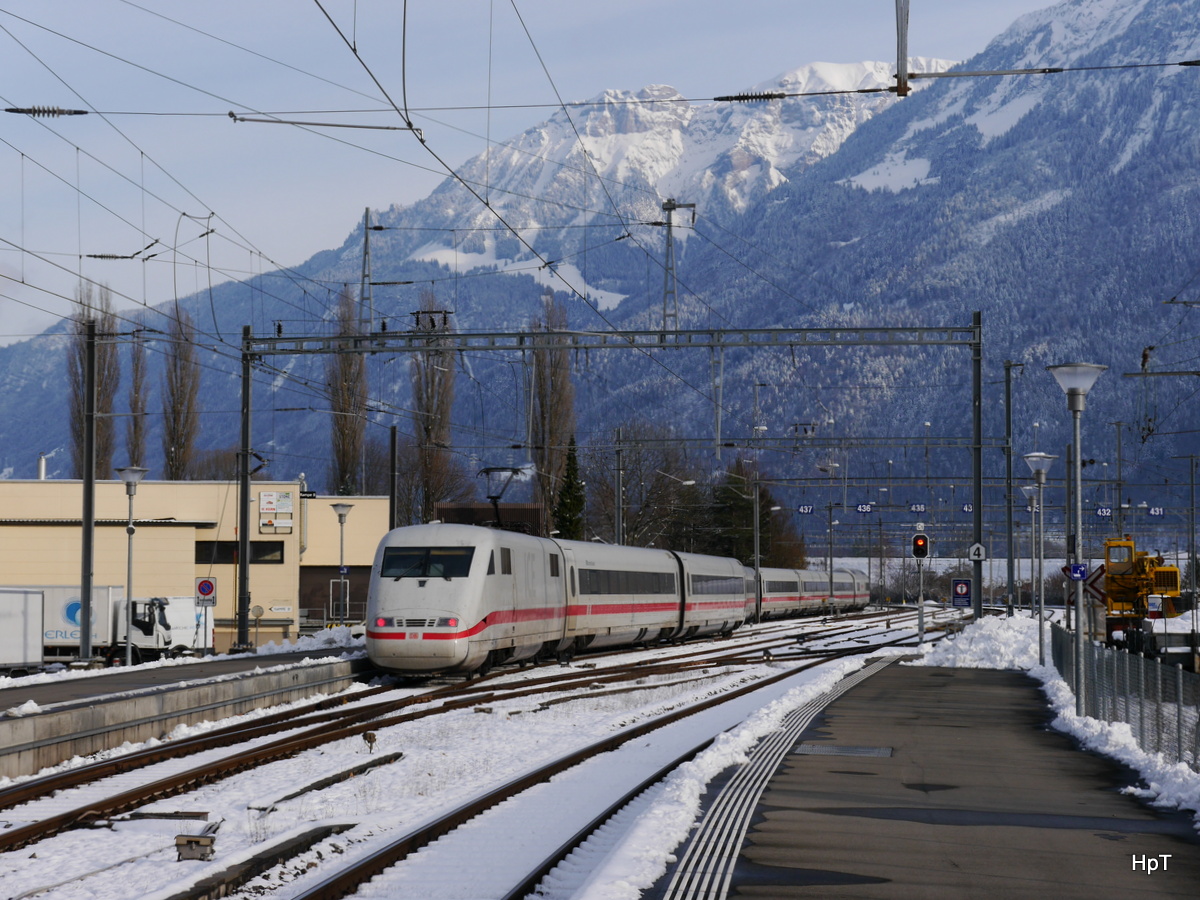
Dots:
(162, 626)
(20, 631)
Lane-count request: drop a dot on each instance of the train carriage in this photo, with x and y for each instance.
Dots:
(621, 595)
(715, 598)
(780, 593)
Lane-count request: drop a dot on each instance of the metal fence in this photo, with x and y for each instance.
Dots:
(1160, 703)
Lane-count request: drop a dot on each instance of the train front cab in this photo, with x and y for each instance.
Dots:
(453, 598)
(423, 604)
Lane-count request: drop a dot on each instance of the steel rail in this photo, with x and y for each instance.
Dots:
(346, 881)
(355, 722)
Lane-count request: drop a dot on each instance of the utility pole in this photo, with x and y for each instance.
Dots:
(87, 565)
(366, 300)
(1069, 533)
(243, 562)
(1120, 484)
(1009, 365)
(619, 523)
(670, 280)
(977, 462)
(393, 475)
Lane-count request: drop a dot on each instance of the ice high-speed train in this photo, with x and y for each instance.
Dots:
(458, 598)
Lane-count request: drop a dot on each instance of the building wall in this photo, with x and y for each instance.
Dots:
(41, 542)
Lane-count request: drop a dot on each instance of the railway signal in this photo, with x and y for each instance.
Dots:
(920, 546)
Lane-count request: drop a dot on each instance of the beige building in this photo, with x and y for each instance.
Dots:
(187, 530)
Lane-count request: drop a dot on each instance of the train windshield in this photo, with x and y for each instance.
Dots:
(426, 562)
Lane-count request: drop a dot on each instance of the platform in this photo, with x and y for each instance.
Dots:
(80, 716)
(949, 783)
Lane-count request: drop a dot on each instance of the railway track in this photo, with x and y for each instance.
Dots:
(726, 668)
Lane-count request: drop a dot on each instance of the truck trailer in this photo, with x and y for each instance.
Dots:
(162, 626)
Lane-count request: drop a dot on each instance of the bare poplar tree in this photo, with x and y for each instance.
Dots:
(346, 374)
(661, 503)
(135, 429)
(180, 399)
(441, 476)
(97, 306)
(553, 406)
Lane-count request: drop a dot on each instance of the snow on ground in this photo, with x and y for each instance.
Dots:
(1011, 643)
(329, 639)
(448, 758)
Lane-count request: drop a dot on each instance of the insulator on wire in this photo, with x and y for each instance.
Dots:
(752, 97)
(46, 112)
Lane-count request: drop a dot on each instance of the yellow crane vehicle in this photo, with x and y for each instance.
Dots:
(1138, 586)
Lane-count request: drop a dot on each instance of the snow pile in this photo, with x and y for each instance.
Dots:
(28, 708)
(329, 638)
(994, 642)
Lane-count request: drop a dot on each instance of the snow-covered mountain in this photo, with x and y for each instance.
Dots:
(609, 163)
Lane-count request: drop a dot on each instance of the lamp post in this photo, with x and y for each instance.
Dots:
(1039, 464)
(131, 475)
(1030, 492)
(342, 510)
(1076, 379)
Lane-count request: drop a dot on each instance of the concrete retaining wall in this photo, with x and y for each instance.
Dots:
(31, 743)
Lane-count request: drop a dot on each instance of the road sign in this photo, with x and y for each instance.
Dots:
(206, 592)
(1077, 572)
(1092, 582)
(977, 553)
(960, 592)
(342, 570)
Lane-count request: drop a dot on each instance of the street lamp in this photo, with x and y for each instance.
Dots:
(1039, 464)
(687, 483)
(342, 510)
(1076, 379)
(131, 475)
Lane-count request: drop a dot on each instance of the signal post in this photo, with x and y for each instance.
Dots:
(920, 552)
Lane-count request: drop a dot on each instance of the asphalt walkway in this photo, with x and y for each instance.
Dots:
(948, 783)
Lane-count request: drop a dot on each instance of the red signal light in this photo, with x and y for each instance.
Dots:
(920, 546)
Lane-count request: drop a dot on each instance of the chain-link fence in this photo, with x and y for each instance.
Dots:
(1160, 703)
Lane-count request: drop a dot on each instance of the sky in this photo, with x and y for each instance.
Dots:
(158, 161)
(451, 757)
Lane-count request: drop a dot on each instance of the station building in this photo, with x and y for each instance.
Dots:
(187, 531)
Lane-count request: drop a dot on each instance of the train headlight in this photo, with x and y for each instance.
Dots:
(384, 622)
(447, 622)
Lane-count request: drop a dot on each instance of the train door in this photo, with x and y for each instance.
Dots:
(502, 616)
(567, 594)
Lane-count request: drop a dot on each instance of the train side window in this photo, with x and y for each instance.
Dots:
(553, 565)
(505, 561)
(572, 581)
(492, 563)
